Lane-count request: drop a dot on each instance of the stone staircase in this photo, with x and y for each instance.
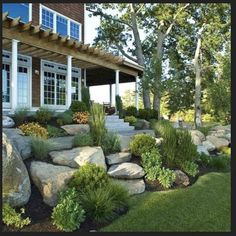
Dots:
(114, 124)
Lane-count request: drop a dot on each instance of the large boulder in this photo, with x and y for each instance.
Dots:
(118, 157)
(7, 122)
(76, 128)
(126, 171)
(221, 132)
(61, 143)
(16, 187)
(208, 145)
(181, 178)
(218, 142)
(50, 179)
(134, 186)
(202, 149)
(79, 156)
(142, 124)
(197, 136)
(21, 142)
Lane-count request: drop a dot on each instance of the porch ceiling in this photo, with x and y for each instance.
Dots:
(45, 44)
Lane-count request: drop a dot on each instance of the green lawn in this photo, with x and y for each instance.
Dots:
(205, 206)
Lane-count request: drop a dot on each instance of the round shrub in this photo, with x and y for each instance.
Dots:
(65, 118)
(43, 115)
(40, 148)
(81, 117)
(110, 143)
(154, 114)
(131, 111)
(78, 106)
(145, 114)
(68, 214)
(90, 177)
(131, 119)
(81, 140)
(34, 129)
(20, 115)
(142, 143)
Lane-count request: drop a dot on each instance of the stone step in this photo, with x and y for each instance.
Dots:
(115, 121)
(113, 117)
(117, 125)
(118, 130)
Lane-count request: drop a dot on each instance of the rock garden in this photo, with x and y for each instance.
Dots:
(66, 172)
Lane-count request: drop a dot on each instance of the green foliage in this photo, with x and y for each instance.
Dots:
(68, 214)
(203, 160)
(81, 140)
(205, 129)
(166, 177)
(97, 123)
(20, 115)
(142, 143)
(85, 96)
(145, 114)
(190, 168)
(34, 130)
(119, 105)
(131, 111)
(225, 150)
(131, 119)
(40, 148)
(43, 115)
(11, 218)
(65, 118)
(78, 106)
(220, 163)
(54, 132)
(89, 177)
(110, 143)
(150, 159)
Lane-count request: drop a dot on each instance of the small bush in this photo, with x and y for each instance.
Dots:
(34, 129)
(68, 214)
(65, 118)
(142, 143)
(11, 218)
(154, 114)
(131, 119)
(78, 106)
(119, 105)
(131, 111)
(90, 177)
(55, 132)
(81, 117)
(190, 168)
(43, 115)
(40, 148)
(166, 177)
(81, 140)
(20, 115)
(150, 159)
(85, 96)
(220, 163)
(203, 160)
(145, 114)
(110, 143)
(225, 150)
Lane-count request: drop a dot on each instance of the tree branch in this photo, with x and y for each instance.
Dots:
(125, 54)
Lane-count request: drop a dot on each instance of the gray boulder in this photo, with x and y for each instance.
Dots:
(118, 157)
(16, 187)
(61, 143)
(50, 179)
(7, 122)
(197, 136)
(142, 124)
(208, 145)
(181, 178)
(202, 149)
(218, 142)
(76, 128)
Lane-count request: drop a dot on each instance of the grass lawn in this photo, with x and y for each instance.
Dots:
(205, 206)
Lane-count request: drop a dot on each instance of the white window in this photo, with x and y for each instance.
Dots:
(74, 30)
(47, 19)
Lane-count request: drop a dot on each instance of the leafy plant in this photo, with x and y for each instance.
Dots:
(81, 140)
(55, 132)
(90, 177)
(43, 115)
(131, 119)
(166, 177)
(97, 123)
(68, 214)
(145, 114)
(65, 118)
(34, 129)
(78, 106)
(85, 96)
(190, 168)
(20, 115)
(81, 117)
(150, 159)
(220, 163)
(205, 129)
(203, 160)
(225, 150)
(131, 111)
(40, 148)
(11, 217)
(142, 143)
(110, 143)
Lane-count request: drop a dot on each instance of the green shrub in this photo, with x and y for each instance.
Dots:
(203, 160)
(40, 148)
(119, 105)
(85, 96)
(190, 168)
(55, 132)
(89, 176)
(68, 214)
(110, 143)
(150, 159)
(81, 140)
(78, 106)
(131, 119)
(65, 118)
(104, 204)
(20, 115)
(11, 218)
(34, 130)
(205, 129)
(220, 163)
(225, 150)
(153, 123)
(43, 115)
(154, 114)
(142, 143)
(131, 111)
(166, 177)
(97, 123)
(145, 114)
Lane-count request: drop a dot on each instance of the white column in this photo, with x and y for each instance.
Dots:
(14, 70)
(69, 75)
(85, 78)
(110, 86)
(117, 81)
(136, 92)
(80, 94)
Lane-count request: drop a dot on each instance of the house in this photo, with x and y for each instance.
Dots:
(45, 61)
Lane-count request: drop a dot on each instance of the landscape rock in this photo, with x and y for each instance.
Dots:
(21, 142)
(16, 187)
(124, 142)
(7, 122)
(197, 136)
(79, 156)
(135, 186)
(61, 143)
(50, 179)
(118, 157)
(218, 142)
(142, 124)
(208, 145)
(181, 178)
(202, 149)
(126, 171)
(76, 128)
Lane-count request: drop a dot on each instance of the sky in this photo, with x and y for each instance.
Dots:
(100, 94)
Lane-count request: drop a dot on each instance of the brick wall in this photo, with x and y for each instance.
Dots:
(35, 82)
(74, 11)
